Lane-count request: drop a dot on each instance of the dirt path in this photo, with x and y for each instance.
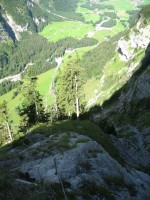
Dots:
(16, 77)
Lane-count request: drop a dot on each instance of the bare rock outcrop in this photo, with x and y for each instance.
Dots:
(83, 160)
(138, 38)
(15, 27)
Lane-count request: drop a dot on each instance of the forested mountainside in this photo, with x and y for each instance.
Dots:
(33, 15)
(80, 130)
(19, 32)
(24, 16)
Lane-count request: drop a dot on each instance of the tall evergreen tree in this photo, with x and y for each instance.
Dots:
(32, 110)
(69, 90)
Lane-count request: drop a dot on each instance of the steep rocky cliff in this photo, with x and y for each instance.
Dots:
(126, 114)
(81, 165)
(24, 16)
(136, 39)
(6, 32)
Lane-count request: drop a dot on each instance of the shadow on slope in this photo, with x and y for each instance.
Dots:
(105, 124)
(123, 106)
(7, 27)
(11, 156)
(66, 126)
(9, 153)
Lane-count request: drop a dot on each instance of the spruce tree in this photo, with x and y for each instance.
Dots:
(69, 90)
(32, 110)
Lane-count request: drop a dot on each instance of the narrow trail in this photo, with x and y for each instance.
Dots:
(60, 16)
(93, 101)
(59, 62)
(16, 77)
(97, 28)
(100, 25)
(56, 14)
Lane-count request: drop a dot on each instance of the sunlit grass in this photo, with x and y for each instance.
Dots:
(59, 30)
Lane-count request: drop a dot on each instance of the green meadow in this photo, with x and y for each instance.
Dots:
(89, 15)
(79, 52)
(76, 29)
(59, 30)
(103, 35)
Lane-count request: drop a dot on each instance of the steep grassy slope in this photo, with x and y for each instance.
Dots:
(105, 71)
(44, 86)
(118, 60)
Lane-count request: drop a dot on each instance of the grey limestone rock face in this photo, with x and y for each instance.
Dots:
(83, 160)
(17, 29)
(143, 86)
(139, 38)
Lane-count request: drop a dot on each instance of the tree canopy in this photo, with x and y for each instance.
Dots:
(69, 91)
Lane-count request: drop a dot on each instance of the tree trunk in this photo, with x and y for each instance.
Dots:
(69, 114)
(56, 109)
(9, 132)
(36, 107)
(77, 99)
(46, 103)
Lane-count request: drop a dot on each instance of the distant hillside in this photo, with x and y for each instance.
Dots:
(32, 15)
(64, 5)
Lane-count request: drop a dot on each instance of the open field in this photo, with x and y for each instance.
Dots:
(59, 30)
(76, 29)
(89, 15)
(120, 5)
(103, 35)
(80, 52)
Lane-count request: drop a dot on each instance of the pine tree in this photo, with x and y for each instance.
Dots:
(32, 110)
(69, 90)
